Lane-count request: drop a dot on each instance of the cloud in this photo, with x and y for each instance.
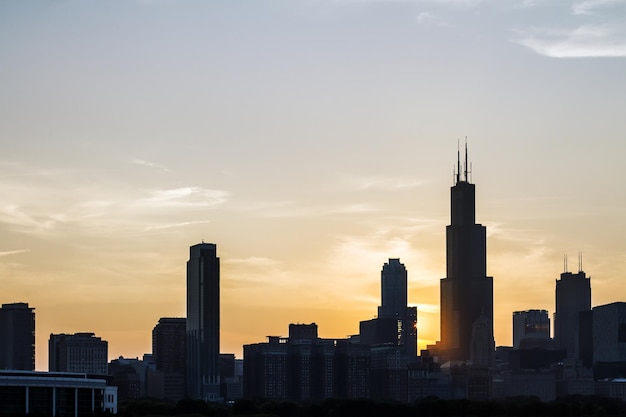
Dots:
(586, 41)
(15, 215)
(383, 183)
(428, 18)
(592, 6)
(14, 252)
(291, 209)
(254, 261)
(454, 3)
(175, 225)
(185, 197)
(142, 162)
(424, 17)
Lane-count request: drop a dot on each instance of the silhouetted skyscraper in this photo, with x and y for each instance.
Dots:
(466, 292)
(573, 296)
(80, 353)
(203, 322)
(396, 322)
(393, 289)
(17, 337)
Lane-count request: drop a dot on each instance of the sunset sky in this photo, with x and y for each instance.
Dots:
(311, 141)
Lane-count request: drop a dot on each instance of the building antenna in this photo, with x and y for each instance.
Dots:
(565, 263)
(580, 261)
(458, 161)
(466, 180)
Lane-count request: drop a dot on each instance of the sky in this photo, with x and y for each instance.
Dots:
(311, 140)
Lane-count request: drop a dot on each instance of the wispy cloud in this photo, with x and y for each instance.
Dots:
(382, 183)
(14, 252)
(295, 209)
(591, 6)
(457, 3)
(175, 225)
(17, 216)
(254, 261)
(582, 42)
(185, 197)
(143, 162)
(428, 18)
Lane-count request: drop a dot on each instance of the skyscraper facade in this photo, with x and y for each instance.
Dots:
(203, 322)
(79, 353)
(573, 296)
(17, 337)
(466, 292)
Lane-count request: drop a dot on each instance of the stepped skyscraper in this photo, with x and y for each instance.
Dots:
(466, 292)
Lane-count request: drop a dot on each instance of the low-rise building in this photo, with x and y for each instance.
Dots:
(55, 394)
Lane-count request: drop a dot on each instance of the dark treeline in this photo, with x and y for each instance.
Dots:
(518, 407)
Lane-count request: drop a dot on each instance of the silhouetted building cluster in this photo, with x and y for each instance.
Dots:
(304, 367)
(587, 355)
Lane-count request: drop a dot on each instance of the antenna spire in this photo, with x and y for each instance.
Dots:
(580, 261)
(466, 179)
(458, 161)
(565, 263)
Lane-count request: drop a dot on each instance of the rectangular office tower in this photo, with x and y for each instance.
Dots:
(203, 322)
(466, 292)
(17, 337)
(78, 353)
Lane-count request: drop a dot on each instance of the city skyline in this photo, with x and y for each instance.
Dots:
(311, 141)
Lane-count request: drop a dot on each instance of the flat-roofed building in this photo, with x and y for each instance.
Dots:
(55, 394)
(17, 337)
(80, 352)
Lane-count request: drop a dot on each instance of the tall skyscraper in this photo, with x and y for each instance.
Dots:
(466, 292)
(396, 322)
(573, 296)
(17, 337)
(80, 353)
(203, 322)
